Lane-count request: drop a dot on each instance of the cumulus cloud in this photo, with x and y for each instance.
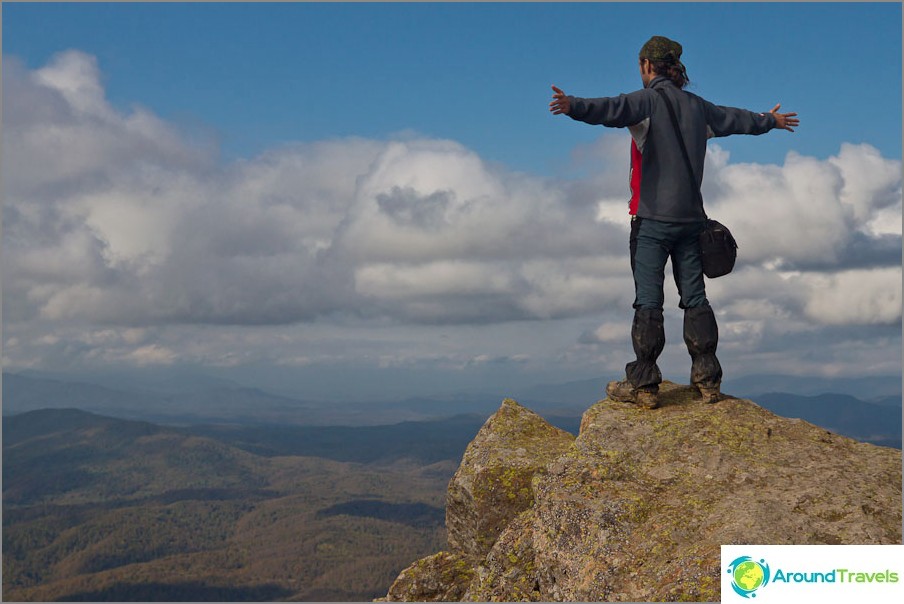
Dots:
(138, 227)
(854, 297)
(113, 218)
(808, 213)
(605, 334)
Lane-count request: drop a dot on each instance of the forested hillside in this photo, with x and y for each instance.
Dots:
(96, 508)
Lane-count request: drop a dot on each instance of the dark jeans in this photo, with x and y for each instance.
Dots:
(652, 244)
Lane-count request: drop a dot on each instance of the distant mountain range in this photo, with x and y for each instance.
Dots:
(212, 490)
(864, 408)
(878, 423)
(885, 389)
(219, 401)
(104, 509)
(867, 409)
(870, 389)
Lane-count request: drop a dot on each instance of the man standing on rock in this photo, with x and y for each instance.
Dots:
(666, 216)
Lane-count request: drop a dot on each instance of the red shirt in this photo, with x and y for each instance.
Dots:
(636, 160)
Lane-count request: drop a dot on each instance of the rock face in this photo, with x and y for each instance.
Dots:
(636, 507)
(493, 483)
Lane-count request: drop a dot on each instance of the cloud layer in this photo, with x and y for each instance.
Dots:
(116, 223)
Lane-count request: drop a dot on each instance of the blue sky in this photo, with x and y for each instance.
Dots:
(256, 75)
(326, 195)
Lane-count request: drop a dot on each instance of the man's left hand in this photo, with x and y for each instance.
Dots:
(785, 121)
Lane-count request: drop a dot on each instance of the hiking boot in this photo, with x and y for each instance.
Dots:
(710, 395)
(624, 392)
(648, 399)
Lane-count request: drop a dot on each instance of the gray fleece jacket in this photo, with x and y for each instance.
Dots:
(665, 187)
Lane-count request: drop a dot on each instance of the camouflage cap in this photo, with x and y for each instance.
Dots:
(660, 49)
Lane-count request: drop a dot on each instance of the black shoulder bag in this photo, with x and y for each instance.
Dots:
(717, 245)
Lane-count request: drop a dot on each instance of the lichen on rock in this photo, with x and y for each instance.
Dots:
(442, 577)
(637, 506)
(493, 483)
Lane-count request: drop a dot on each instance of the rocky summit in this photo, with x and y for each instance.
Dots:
(635, 507)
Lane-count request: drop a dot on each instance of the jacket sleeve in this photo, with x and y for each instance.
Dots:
(724, 121)
(616, 112)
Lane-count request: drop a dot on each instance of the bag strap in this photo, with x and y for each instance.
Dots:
(687, 159)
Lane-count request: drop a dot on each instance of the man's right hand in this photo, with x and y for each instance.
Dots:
(560, 103)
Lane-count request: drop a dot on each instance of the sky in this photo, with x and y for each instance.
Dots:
(372, 200)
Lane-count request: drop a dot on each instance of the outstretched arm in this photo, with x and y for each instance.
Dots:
(784, 121)
(616, 112)
(725, 121)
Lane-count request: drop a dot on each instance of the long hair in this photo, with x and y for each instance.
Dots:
(673, 71)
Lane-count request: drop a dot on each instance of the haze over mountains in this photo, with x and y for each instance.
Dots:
(200, 488)
(104, 509)
(864, 408)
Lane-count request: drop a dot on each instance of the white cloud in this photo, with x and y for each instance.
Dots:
(807, 212)
(147, 230)
(76, 77)
(67, 137)
(790, 212)
(395, 282)
(114, 222)
(152, 354)
(872, 188)
(607, 333)
(427, 200)
(854, 297)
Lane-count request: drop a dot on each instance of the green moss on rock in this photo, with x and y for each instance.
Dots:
(636, 507)
(442, 577)
(493, 484)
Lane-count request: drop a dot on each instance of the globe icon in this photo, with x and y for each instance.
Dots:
(748, 575)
